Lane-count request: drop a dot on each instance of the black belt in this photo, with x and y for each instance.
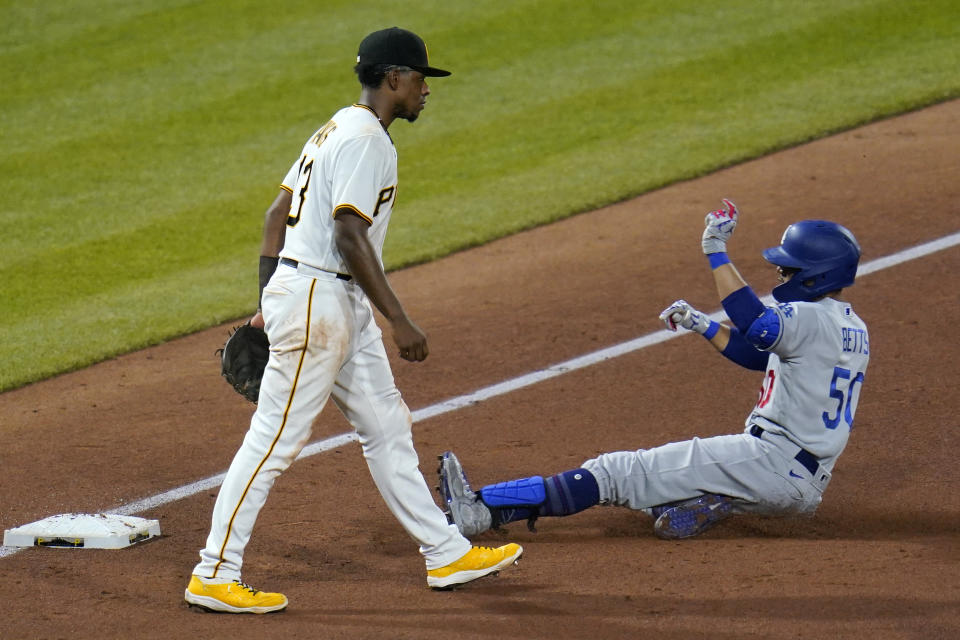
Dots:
(294, 263)
(804, 457)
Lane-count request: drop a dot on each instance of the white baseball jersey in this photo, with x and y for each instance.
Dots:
(814, 376)
(350, 163)
(324, 342)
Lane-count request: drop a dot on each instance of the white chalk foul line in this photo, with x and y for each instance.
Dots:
(513, 384)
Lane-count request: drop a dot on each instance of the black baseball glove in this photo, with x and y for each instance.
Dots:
(243, 360)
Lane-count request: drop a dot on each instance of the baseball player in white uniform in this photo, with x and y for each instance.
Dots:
(814, 351)
(320, 269)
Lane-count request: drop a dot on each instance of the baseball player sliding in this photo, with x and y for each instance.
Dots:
(814, 351)
(320, 269)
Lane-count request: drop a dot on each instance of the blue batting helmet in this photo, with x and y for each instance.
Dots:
(825, 253)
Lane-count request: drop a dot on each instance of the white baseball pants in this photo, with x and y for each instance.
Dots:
(324, 341)
(761, 474)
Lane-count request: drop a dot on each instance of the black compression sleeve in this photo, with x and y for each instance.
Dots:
(268, 264)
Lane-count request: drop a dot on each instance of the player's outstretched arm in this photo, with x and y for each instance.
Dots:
(682, 314)
(356, 250)
(729, 342)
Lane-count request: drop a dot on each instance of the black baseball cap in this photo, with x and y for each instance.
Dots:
(397, 46)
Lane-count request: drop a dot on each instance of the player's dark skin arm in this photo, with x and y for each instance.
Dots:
(274, 234)
(350, 234)
(275, 225)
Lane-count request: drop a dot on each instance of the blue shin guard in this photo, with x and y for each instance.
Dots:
(514, 500)
(529, 498)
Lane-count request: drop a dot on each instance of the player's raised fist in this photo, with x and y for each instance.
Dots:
(673, 315)
(719, 226)
(680, 313)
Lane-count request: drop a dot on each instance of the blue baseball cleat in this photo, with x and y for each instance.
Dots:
(692, 517)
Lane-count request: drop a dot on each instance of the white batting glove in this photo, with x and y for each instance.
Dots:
(719, 227)
(680, 313)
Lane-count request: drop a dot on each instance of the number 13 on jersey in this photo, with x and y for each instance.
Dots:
(303, 181)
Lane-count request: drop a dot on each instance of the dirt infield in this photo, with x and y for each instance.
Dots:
(881, 559)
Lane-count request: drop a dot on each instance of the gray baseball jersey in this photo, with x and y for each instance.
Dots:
(806, 404)
(814, 375)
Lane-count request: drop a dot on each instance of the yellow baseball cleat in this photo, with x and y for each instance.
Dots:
(476, 563)
(232, 597)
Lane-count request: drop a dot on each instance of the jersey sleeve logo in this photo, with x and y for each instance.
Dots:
(386, 195)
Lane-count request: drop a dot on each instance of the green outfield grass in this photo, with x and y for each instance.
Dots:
(142, 142)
